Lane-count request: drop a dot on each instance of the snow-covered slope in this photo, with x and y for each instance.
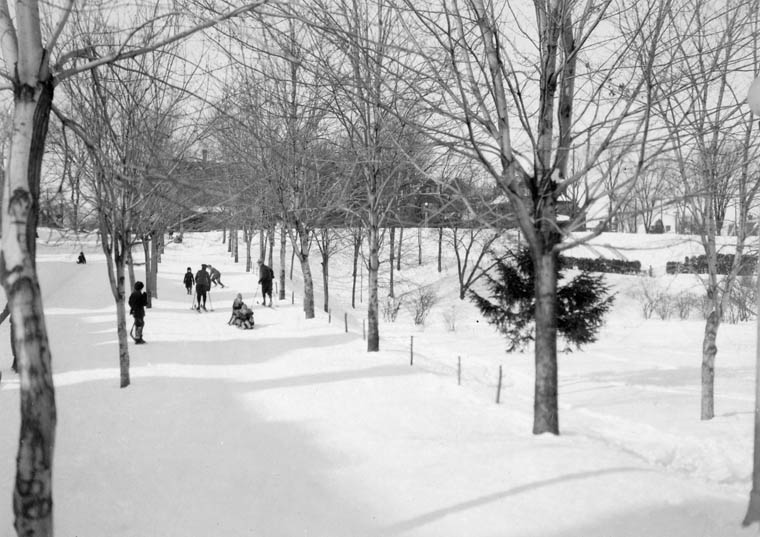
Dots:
(294, 429)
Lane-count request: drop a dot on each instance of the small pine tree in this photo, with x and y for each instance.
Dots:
(581, 303)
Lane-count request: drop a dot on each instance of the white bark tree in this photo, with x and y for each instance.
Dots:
(34, 63)
(714, 146)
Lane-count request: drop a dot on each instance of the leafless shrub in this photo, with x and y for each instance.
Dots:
(390, 308)
(664, 306)
(450, 319)
(684, 302)
(653, 299)
(422, 301)
(741, 302)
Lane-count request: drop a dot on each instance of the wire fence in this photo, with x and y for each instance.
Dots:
(447, 358)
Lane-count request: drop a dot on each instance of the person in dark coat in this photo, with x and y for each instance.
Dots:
(189, 280)
(81, 260)
(216, 276)
(137, 302)
(266, 275)
(202, 286)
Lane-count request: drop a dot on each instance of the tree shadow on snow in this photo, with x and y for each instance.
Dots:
(242, 351)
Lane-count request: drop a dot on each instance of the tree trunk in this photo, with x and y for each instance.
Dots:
(130, 264)
(14, 365)
(392, 240)
(115, 248)
(237, 250)
(147, 253)
(545, 405)
(325, 274)
(357, 249)
(270, 236)
(247, 236)
(33, 491)
(400, 241)
(283, 260)
(308, 287)
(419, 246)
(373, 328)
(121, 323)
(155, 254)
(709, 351)
(440, 248)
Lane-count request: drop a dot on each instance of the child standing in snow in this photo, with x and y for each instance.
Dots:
(137, 302)
(189, 280)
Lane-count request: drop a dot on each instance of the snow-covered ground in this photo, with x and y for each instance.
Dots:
(293, 429)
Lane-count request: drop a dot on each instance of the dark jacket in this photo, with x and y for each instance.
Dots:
(137, 302)
(189, 280)
(266, 275)
(202, 279)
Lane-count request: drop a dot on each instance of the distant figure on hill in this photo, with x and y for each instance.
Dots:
(189, 280)
(242, 315)
(137, 302)
(202, 286)
(81, 260)
(215, 276)
(266, 275)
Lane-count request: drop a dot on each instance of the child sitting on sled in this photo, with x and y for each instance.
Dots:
(242, 315)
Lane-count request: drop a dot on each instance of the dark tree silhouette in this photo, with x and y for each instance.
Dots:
(581, 303)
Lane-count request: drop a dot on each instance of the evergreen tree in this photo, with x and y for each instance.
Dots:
(582, 302)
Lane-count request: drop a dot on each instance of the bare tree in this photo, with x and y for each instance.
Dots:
(713, 147)
(34, 63)
(518, 90)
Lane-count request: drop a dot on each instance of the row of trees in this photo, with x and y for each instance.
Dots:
(343, 110)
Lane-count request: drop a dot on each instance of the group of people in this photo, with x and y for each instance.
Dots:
(242, 314)
(202, 280)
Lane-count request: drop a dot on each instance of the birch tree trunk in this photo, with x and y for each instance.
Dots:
(32, 496)
(308, 286)
(373, 329)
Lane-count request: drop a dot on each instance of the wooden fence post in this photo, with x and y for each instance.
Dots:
(411, 351)
(345, 321)
(498, 388)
